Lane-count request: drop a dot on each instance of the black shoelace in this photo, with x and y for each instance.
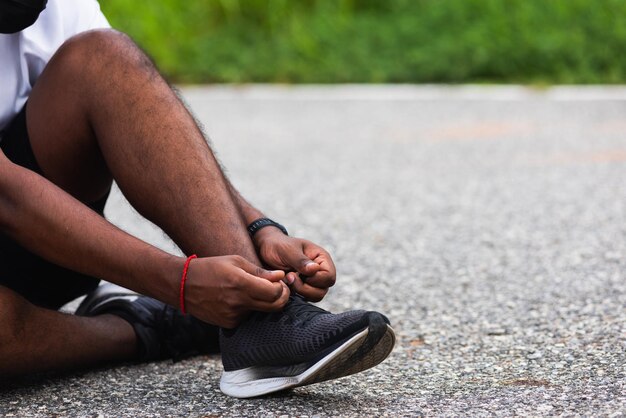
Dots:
(299, 310)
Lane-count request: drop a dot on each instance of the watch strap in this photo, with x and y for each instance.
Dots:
(260, 223)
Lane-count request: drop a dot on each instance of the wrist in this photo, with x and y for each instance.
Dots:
(266, 234)
(168, 278)
(181, 294)
(262, 228)
(261, 223)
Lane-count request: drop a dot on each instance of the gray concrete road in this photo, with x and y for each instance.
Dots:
(489, 224)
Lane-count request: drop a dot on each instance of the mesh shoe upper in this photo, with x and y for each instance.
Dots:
(300, 333)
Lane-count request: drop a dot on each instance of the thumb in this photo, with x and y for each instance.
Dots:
(303, 264)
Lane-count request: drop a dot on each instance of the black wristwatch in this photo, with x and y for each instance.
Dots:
(254, 227)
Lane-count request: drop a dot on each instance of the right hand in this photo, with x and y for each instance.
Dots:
(223, 290)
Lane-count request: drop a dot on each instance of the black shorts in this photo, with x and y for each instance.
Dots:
(41, 282)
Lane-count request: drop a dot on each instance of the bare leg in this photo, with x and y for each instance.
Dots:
(102, 105)
(37, 339)
(101, 111)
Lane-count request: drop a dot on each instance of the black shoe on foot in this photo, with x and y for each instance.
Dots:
(301, 345)
(163, 331)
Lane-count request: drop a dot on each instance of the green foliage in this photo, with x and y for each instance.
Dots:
(363, 41)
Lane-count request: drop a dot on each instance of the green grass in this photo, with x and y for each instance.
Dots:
(385, 41)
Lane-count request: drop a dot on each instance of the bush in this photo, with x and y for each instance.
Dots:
(365, 41)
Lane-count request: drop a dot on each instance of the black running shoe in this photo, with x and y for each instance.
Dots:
(301, 345)
(163, 331)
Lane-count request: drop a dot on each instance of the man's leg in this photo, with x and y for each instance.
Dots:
(100, 111)
(37, 339)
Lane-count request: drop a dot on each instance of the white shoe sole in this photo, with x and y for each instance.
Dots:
(257, 381)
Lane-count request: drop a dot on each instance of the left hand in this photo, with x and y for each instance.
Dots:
(310, 269)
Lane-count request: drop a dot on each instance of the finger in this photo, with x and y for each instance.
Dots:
(320, 256)
(271, 275)
(299, 261)
(310, 268)
(325, 276)
(290, 278)
(311, 293)
(277, 305)
(262, 290)
(325, 261)
(322, 279)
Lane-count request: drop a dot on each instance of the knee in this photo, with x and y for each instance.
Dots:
(102, 53)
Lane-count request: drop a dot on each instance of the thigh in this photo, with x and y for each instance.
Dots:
(59, 123)
(42, 283)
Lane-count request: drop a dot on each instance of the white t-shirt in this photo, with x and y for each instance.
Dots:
(24, 55)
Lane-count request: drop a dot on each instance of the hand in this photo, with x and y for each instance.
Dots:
(310, 269)
(223, 290)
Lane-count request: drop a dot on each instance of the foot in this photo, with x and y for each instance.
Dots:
(162, 331)
(299, 346)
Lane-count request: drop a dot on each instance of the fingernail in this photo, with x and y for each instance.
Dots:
(290, 279)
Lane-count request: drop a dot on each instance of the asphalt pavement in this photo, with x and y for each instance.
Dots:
(488, 224)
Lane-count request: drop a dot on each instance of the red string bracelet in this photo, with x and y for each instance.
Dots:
(182, 283)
